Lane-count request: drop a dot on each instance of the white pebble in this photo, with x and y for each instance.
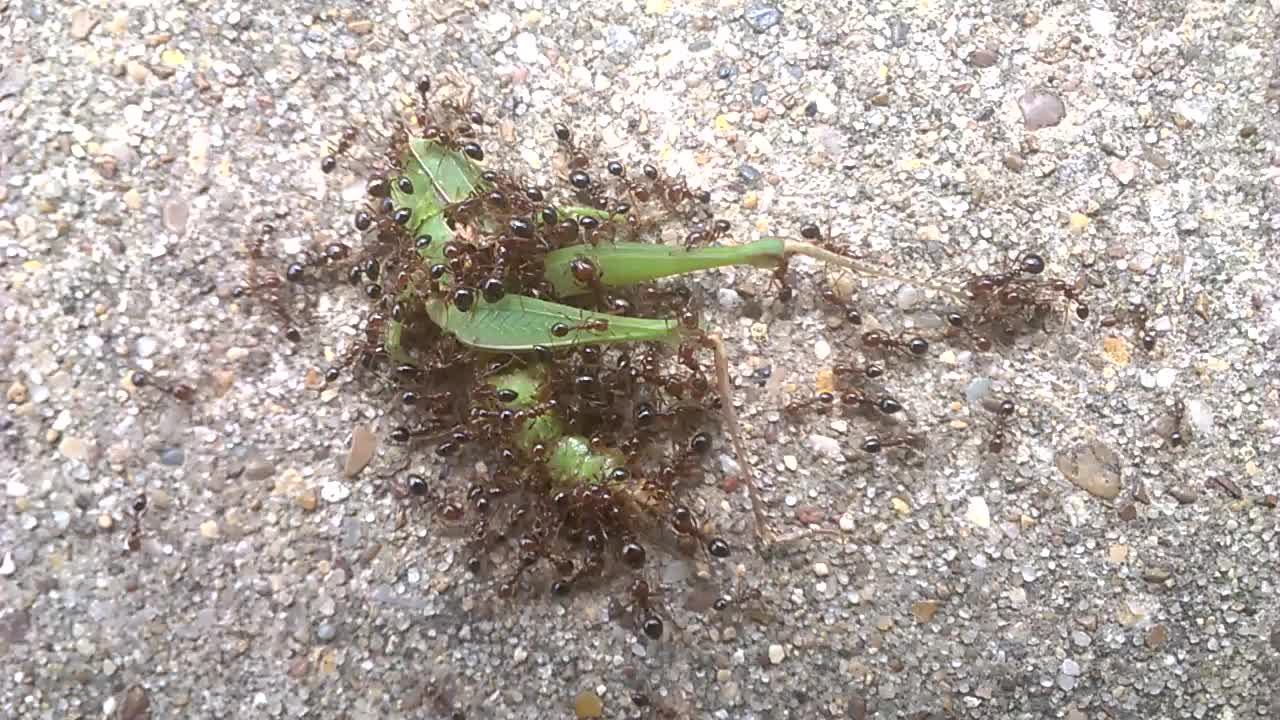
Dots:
(527, 48)
(17, 488)
(791, 462)
(907, 298)
(822, 349)
(1070, 667)
(146, 346)
(840, 426)
(728, 465)
(1201, 417)
(776, 654)
(821, 569)
(133, 114)
(8, 567)
(1166, 377)
(728, 298)
(334, 491)
(846, 523)
(519, 655)
(978, 513)
(827, 446)
(790, 500)
(978, 388)
(1147, 380)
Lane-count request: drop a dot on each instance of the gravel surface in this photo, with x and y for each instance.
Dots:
(1089, 571)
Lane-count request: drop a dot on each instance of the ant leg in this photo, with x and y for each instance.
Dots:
(729, 416)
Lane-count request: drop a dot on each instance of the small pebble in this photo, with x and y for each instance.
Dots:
(363, 443)
(1092, 467)
(776, 654)
(334, 491)
(1200, 416)
(1165, 377)
(527, 48)
(588, 705)
(847, 523)
(146, 346)
(977, 389)
(761, 17)
(1070, 667)
(173, 457)
(821, 570)
(827, 446)
(983, 58)
(1123, 171)
(924, 610)
(822, 349)
(306, 499)
(17, 393)
(83, 21)
(978, 514)
(908, 297)
(8, 566)
(136, 704)
(326, 632)
(728, 298)
(1041, 110)
(791, 462)
(209, 529)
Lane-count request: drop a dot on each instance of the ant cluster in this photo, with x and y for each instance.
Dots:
(585, 440)
(587, 458)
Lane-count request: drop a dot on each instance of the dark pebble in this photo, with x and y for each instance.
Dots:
(173, 457)
(726, 71)
(136, 705)
(759, 91)
(761, 17)
(748, 174)
(900, 31)
(983, 58)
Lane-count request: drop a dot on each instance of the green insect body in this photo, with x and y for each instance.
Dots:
(628, 263)
(513, 323)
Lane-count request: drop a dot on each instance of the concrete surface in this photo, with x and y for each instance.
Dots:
(1134, 142)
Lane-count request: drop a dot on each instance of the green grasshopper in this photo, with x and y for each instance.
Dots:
(442, 177)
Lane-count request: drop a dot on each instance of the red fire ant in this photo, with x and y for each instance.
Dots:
(880, 340)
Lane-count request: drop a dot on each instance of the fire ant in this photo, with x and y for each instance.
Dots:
(685, 524)
(136, 509)
(643, 608)
(878, 339)
(702, 236)
(1175, 423)
(330, 162)
(673, 192)
(180, 391)
(874, 444)
(560, 329)
(1138, 317)
(1004, 412)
